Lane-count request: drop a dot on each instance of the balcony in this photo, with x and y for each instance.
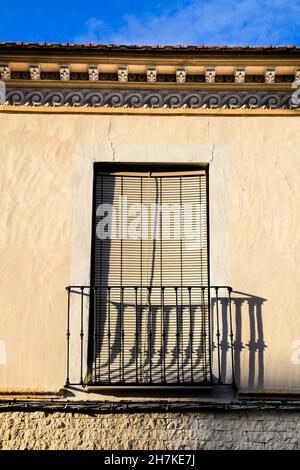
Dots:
(166, 336)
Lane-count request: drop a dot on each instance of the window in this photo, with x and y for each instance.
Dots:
(149, 306)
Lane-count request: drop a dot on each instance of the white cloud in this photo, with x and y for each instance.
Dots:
(94, 29)
(207, 22)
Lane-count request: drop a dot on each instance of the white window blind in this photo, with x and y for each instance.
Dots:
(150, 263)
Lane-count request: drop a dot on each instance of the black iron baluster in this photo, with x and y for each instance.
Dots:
(100, 333)
(108, 331)
(136, 336)
(94, 364)
(177, 335)
(181, 310)
(180, 313)
(163, 359)
(122, 288)
(122, 335)
(162, 313)
(191, 332)
(81, 336)
(203, 333)
(150, 334)
(68, 340)
(141, 345)
(231, 338)
(218, 334)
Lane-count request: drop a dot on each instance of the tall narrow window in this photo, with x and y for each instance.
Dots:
(149, 318)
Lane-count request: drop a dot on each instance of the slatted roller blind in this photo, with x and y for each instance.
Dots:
(148, 325)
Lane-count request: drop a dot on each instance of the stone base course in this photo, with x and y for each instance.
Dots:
(150, 431)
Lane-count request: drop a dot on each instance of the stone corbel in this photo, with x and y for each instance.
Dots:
(180, 75)
(35, 71)
(151, 74)
(93, 72)
(297, 74)
(122, 73)
(210, 74)
(64, 71)
(5, 71)
(270, 73)
(240, 74)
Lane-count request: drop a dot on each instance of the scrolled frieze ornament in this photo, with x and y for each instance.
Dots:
(271, 101)
(94, 98)
(213, 100)
(55, 98)
(16, 97)
(134, 100)
(173, 100)
(152, 99)
(114, 99)
(35, 97)
(74, 98)
(232, 101)
(251, 100)
(192, 100)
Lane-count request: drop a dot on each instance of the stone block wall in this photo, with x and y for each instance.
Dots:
(150, 431)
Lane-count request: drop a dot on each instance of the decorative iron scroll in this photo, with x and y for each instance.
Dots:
(149, 99)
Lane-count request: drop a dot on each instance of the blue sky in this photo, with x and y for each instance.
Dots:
(246, 22)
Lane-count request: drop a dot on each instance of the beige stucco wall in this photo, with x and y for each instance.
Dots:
(45, 210)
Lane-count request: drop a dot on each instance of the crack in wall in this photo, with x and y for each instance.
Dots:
(213, 145)
(110, 141)
(284, 177)
(212, 154)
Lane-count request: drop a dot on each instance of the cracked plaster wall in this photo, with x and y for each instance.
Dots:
(46, 168)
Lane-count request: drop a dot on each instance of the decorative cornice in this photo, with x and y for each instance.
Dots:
(149, 99)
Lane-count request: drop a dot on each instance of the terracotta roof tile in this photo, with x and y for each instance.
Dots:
(133, 47)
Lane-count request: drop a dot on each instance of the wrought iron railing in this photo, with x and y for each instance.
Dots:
(149, 336)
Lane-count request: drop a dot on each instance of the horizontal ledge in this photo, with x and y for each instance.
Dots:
(93, 388)
(122, 406)
(83, 84)
(149, 111)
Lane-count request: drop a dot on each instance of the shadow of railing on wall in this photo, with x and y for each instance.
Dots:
(248, 333)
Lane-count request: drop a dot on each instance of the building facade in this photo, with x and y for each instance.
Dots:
(149, 246)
